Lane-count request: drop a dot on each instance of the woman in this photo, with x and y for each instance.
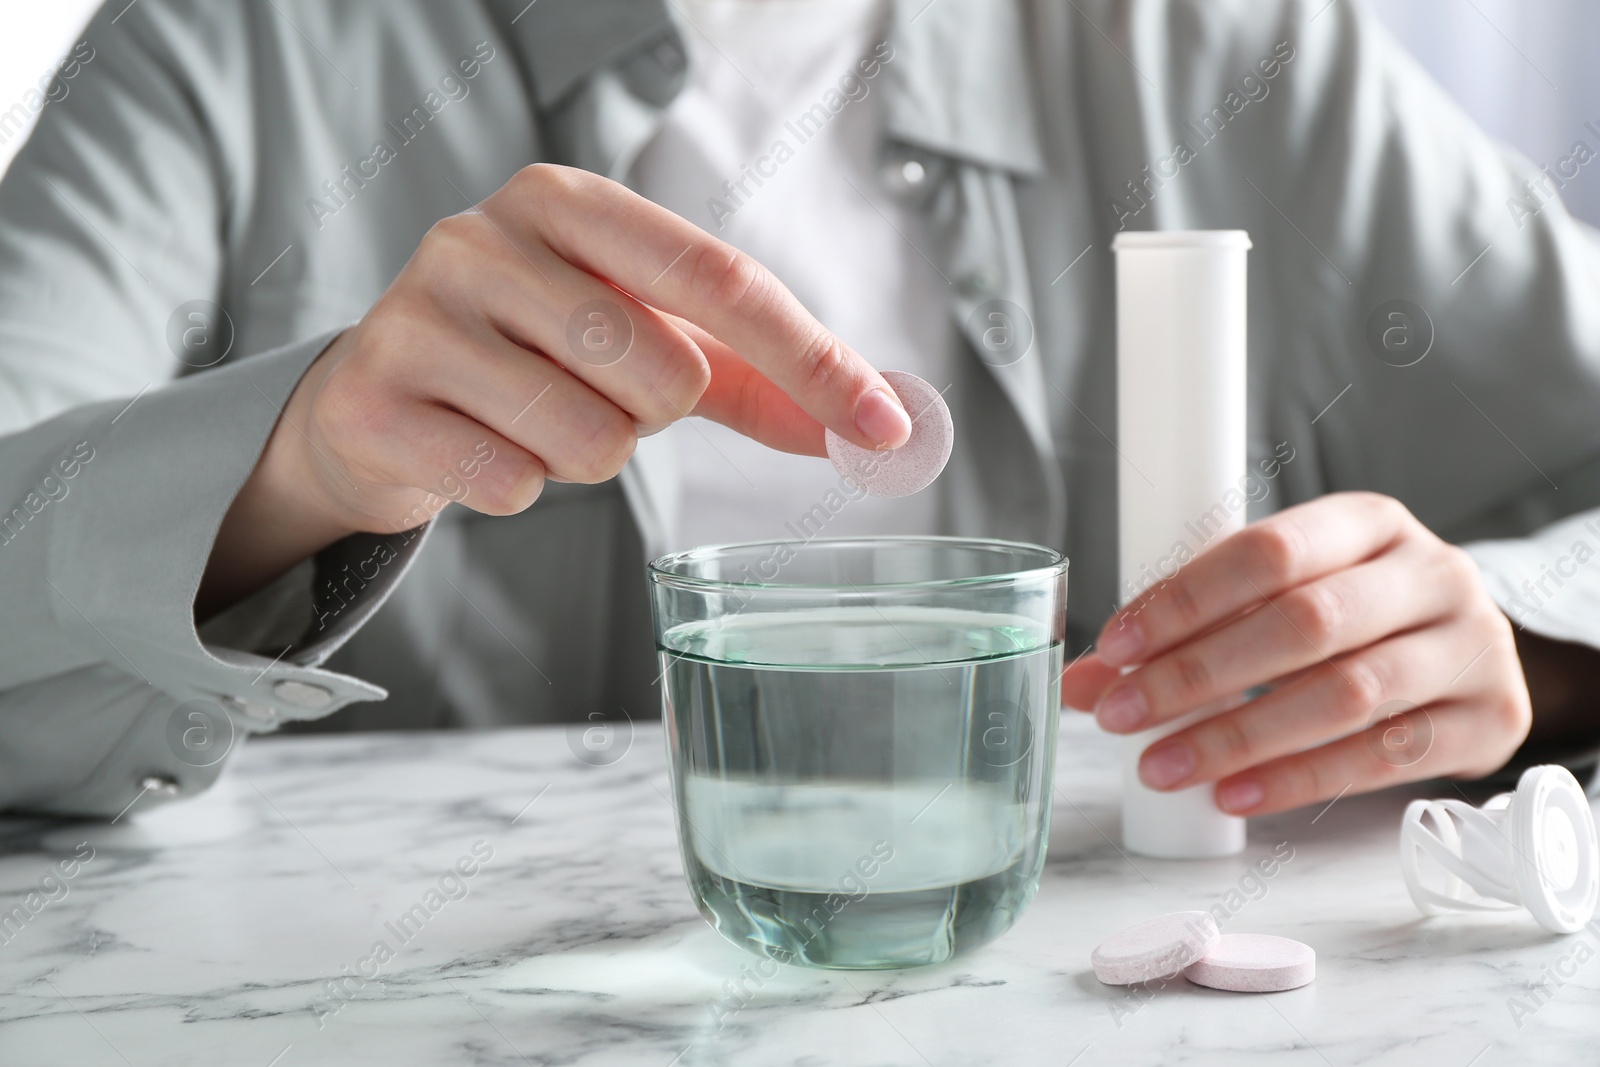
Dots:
(280, 281)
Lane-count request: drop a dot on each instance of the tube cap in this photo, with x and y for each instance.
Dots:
(1535, 849)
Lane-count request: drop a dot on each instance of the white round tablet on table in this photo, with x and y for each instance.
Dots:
(1156, 948)
(914, 465)
(1254, 963)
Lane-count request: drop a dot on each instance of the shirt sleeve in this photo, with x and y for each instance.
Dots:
(1496, 421)
(123, 448)
(1492, 413)
(1424, 312)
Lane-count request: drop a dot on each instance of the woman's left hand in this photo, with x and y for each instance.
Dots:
(1387, 659)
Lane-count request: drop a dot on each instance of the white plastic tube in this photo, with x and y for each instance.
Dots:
(1181, 407)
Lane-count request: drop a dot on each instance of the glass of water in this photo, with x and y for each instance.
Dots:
(861, 734)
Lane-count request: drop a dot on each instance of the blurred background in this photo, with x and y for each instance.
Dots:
(1525, 69)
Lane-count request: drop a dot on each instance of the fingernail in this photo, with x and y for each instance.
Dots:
(1166, 765)
(1120, 645)
(1240, 797)
(880, 417)
(1122, 710)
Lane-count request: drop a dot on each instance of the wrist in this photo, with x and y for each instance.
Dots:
(281, 515)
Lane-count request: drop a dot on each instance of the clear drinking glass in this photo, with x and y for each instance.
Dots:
(861, 734)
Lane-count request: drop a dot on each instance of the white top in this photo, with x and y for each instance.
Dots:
(817, 217)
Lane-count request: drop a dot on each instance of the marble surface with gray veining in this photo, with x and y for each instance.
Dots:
(241, 928)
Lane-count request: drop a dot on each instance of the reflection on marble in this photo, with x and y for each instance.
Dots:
(242, 929)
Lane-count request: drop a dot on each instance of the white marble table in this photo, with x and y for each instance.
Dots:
(209, 933)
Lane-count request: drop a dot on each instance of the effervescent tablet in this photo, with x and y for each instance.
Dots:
(1156, 948)
(1254, 963)
(914, 465)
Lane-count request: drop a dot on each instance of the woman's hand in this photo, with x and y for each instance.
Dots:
(1387, 659)
(538, 336)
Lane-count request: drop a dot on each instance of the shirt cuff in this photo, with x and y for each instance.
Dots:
(102, 711)
(1549, 582)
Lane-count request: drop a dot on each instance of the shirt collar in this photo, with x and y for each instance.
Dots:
(957, 84)
(566, 41)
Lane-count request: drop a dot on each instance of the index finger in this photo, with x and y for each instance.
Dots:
(1282, 551)
(663, 260)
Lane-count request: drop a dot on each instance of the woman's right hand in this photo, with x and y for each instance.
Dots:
(537, 336)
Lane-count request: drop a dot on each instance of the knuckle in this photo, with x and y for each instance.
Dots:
(1302, 781)
(1391, 509)
(1380, 503)
(821, 361)
(1499, 630)
(1460, 569)
(354, 405)
(1513, 713)
(748, 403)
(393, 326)
(1282, 547)
(1361, 692)
(1229, 742)
(682, 383)
(658, 408)
(451, 234)
(607, 449)
(515, 490)
(1182, 604)
(447, 258)
(541, 180)
(626, 443)
(1187, 676)
(532, 176)
(731, 279)
(1318, 611)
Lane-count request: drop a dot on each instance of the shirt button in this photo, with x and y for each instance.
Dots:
(160, 783)
(258, 712)
(978, 284)
(670, 55)
(303, 694)
(906, 178)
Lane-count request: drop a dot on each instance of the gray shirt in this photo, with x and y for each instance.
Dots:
(224, 187)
